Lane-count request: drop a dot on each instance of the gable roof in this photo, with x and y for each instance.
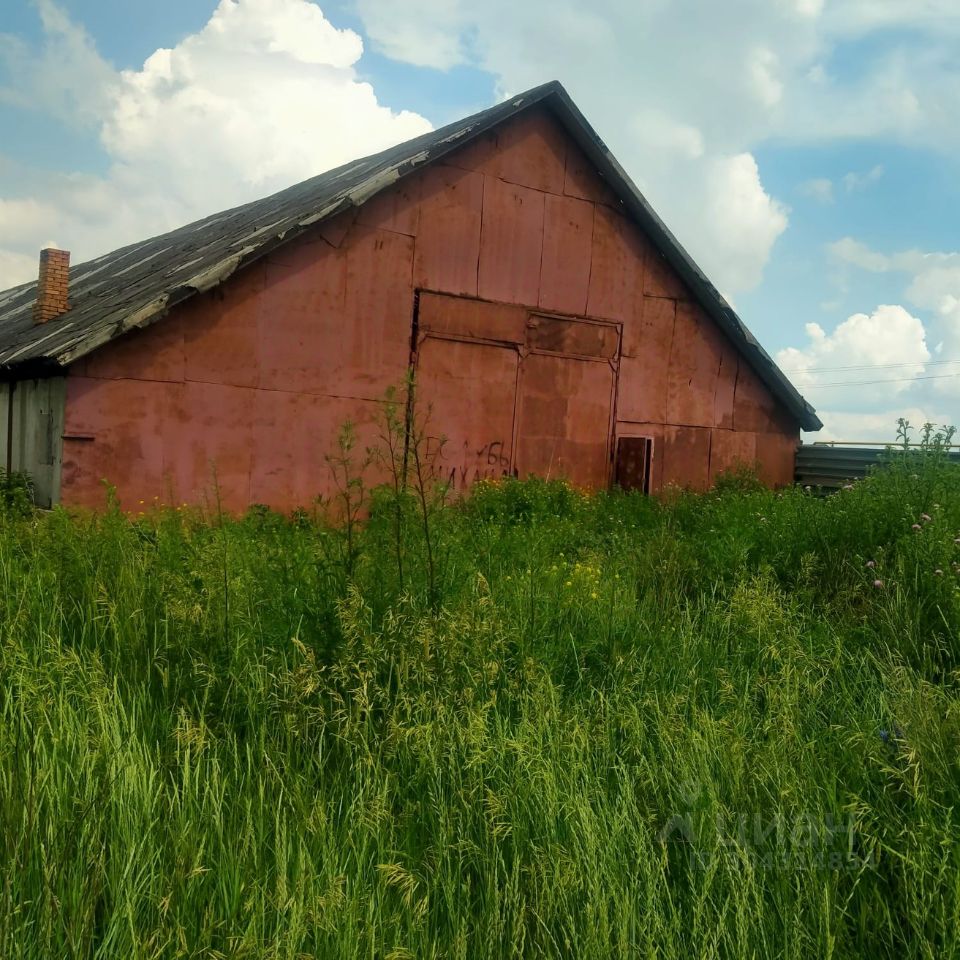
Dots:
(138, 284)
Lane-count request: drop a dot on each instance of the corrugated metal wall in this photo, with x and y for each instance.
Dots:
(831, 467)
(31, 430)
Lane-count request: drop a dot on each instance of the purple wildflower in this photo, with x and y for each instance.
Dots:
(871, 564)
(878, 583)
(925, 517)
(915, 526)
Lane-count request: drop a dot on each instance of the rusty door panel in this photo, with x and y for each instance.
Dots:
(573, 337)
(466, 393)
(564, 419)
(632, 471)
(472, 319)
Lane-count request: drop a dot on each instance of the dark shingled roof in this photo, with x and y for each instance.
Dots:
(137, 285)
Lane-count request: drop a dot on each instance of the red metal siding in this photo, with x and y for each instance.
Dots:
(448, 235)
(511, 243)
(567, 241)
(254, 380)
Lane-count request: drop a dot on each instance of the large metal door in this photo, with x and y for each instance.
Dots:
(563, 427)
(565, 403)
(511, 391)
(465, 399)
(467, 358)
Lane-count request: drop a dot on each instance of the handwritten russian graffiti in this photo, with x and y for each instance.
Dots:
(463, 465)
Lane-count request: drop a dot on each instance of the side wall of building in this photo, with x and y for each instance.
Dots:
(245, 388)
(31, 425)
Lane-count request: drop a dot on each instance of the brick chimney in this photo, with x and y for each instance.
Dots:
(52, 287)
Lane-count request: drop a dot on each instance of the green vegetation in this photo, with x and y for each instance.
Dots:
(535, 723)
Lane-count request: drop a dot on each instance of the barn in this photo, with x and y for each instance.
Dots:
(554, 325)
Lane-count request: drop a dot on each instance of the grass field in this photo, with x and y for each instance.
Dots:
(533, 724)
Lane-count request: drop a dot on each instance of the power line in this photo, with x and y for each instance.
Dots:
(866, 383)
(869, 366)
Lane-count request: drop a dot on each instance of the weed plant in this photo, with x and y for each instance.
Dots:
(534, 722)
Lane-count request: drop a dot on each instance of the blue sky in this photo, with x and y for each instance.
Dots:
(805, 151)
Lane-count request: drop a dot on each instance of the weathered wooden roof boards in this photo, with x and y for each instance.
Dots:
(137, 285)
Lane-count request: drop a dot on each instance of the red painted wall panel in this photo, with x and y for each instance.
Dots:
(686, 457)
(753, 406)
(567, 249)
(581, 180)
(511, 244)
(295, 433)
(156, 353)
(397, 209)
(530, 154)
(616, 270)
(448, 235)
(300, 330)
(729, 449)
(117, 430)
(776, 454)
(694, 366)
(226, 350)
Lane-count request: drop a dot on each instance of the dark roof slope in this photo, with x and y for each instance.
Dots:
(136, 285)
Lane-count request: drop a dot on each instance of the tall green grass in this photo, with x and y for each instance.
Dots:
(606, 726)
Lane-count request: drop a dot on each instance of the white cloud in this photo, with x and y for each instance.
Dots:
(763, 65)
(739, 216)
(16, 268)
(860, 181)
(819, 189)
(859, 255)
(808, 8)
(878, 354)
(67, 78)
(425, 33)
(933, 286)
(265, 95)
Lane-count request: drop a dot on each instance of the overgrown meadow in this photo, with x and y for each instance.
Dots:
(532, 723)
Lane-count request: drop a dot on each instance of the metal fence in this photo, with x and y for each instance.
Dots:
(831, 465)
